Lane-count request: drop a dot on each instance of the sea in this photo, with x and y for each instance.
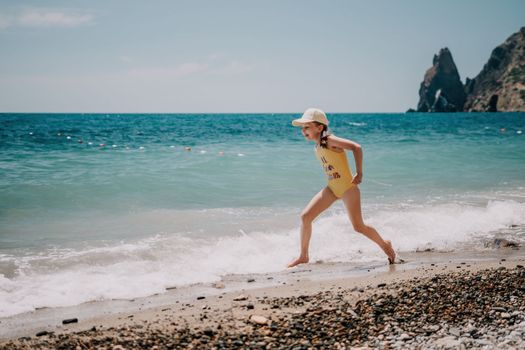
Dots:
(120, 206)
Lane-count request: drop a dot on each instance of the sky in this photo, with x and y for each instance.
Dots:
(241, 56)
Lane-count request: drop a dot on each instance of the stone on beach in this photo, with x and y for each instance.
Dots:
(498, 243)
(42, 333)
(257, 319)
(447, 342)
(70, 320)
(454, 331)
(240, 298)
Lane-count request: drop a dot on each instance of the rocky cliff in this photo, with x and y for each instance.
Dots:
(500, 86)
(441, 90)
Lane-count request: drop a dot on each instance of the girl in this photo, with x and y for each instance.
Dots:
(330, 150)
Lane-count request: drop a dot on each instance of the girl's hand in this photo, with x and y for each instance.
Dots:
(357, 178)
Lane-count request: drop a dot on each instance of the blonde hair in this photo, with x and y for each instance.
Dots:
(323, 139)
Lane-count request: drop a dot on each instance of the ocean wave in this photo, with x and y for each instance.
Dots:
(63, 277)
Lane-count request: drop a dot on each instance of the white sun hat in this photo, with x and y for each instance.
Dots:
(311, 115)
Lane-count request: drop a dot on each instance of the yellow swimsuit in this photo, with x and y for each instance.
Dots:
(335, 165)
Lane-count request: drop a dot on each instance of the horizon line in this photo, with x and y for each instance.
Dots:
(194, 112)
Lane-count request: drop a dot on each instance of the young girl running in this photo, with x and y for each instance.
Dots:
(330, 150)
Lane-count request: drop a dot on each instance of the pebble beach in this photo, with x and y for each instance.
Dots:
(455, 305)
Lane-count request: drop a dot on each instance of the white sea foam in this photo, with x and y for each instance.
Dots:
(446, 226)
(61, 277)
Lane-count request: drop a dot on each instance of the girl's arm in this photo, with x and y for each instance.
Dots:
(356, 149)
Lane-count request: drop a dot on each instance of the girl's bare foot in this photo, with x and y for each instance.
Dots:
(299, 260)
(389, 251)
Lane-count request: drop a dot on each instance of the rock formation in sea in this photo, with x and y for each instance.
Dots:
(441, 90)
(499, 87)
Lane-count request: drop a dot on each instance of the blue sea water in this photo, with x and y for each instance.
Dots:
(100, 206)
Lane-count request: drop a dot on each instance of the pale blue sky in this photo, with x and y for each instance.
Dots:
(238, 56)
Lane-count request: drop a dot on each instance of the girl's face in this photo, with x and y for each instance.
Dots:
(311, 131)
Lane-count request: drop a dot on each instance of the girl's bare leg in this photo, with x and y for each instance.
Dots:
(352, 200)
(319, 203)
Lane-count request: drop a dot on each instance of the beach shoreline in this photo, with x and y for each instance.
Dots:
(86, 227)
(213, 309)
